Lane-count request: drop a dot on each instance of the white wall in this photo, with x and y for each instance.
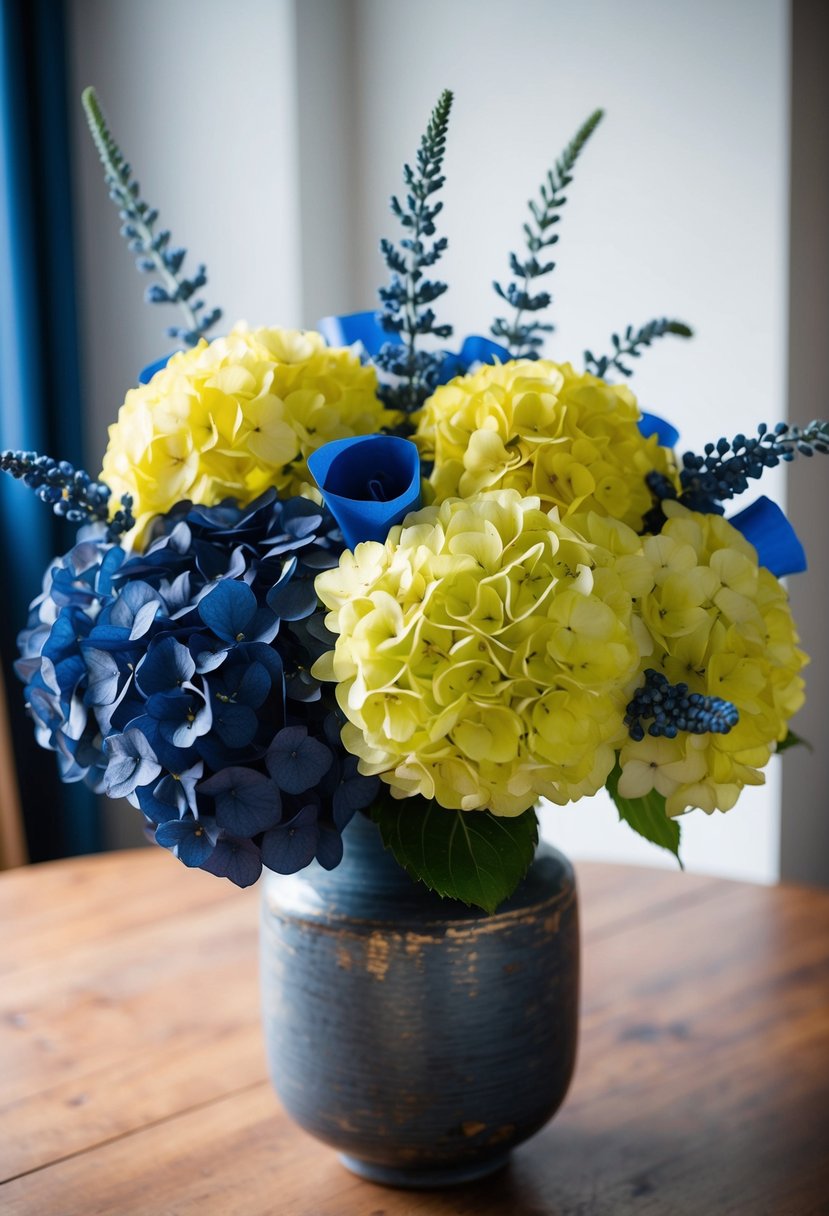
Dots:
(679, 204)
(200, 95)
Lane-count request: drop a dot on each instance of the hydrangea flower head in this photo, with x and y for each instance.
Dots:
(234, 416)
(179, 678)
(477, 661)
(720, 623)
(543, 429)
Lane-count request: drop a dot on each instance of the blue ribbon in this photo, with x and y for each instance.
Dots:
(365, 328)
(146, 374)
(652, 424)
(369, 483)
(765, 526)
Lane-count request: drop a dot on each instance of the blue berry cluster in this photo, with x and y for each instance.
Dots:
(673, 708)
(726, 467)
(179, 678)
(70, 492)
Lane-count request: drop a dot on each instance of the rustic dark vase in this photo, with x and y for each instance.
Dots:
(420, 1038)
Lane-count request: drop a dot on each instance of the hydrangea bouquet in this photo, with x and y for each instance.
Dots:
(355, 571)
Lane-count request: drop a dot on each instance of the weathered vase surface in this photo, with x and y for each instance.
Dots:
(421, 1038)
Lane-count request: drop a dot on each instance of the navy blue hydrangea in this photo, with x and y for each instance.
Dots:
(180, 679)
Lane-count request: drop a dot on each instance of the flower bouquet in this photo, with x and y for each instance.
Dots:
(353, 573)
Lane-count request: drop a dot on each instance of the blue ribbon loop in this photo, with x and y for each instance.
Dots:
(652, 424)
(146, 374)
(765, 526)
(364, 327)
(369, 483)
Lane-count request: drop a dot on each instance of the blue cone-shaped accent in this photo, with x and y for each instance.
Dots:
(146, 374)
(357, 327)
(369, 483)
(652, 424)
(765, 526)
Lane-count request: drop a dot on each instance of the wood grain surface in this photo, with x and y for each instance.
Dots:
(133, 1083)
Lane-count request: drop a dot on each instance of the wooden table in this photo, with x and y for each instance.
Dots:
(133, 1075)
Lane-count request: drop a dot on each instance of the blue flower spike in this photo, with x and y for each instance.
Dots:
(369, 483)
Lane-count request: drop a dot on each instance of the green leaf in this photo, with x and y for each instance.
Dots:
(793, 740)
(473, 856)
(646, 815)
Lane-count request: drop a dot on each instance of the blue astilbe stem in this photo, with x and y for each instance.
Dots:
(525, 339)
(408, 296)
(725, 469)
(152, 249)
(70, 492)
(672, 708)
(630, 344)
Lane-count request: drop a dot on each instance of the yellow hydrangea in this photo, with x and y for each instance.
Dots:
(235, 416)
(543, 429)
(484, 657)
(720, 623)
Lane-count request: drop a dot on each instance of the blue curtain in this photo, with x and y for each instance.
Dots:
(40, 396)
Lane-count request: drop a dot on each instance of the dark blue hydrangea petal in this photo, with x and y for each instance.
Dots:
(294, 600)
(173, 759)
(104, 677)
(131, 762)
(301, 686)
(183, 716)
(67, 675)
(268, 656)
(237, 860)
(71, 625)
(296, 760)
(355, 793)
(329, 847)
(167, 665)
(189, 837)
(247, 802)
(246, 681)
(321, 559)
(263, 627)
(165, 800)
(236, 725)
(207, 654)
(134, 610)
(293, 845)
(228, 609)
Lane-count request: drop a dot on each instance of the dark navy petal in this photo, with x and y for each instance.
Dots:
(247, 802)
(228, 609)
(188, 837)
(296, 760)
(329, 847)
(293, 845)
(166, 666)
(237, 860)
